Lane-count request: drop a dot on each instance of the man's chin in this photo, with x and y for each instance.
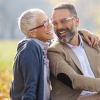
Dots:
(65, 40)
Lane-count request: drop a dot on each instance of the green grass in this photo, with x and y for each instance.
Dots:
(7, 52)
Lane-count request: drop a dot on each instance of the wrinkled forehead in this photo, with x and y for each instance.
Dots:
(60, 14)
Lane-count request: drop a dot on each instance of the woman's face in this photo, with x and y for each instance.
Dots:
(44, 33)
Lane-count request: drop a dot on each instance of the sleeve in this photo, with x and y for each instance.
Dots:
(30, 67)
(79, 31)
(66, 74)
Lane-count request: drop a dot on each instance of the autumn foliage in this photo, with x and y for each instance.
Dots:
(7, 52)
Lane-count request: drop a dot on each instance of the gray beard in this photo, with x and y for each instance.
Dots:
(67, 38)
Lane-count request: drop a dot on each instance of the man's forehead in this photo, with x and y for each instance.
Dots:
(60, 14)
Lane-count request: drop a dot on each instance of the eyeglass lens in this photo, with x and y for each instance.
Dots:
(62, 21)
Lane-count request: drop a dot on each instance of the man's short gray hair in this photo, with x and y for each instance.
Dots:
(28, 19)
(64, 5)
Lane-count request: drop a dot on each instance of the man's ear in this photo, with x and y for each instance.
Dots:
(32, 34)
(77, 21)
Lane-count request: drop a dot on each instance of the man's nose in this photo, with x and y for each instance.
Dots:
(59, 25)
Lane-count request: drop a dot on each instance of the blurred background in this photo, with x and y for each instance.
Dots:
(88, 12)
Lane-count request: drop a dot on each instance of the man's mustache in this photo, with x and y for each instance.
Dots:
(62, 29)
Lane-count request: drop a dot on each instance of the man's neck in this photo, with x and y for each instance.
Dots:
(75, 41)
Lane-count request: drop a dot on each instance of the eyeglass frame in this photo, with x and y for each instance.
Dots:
(45, 24)
(67, 19)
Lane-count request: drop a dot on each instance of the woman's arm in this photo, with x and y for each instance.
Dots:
(91, 38)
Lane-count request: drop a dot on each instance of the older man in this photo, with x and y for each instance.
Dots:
(75, 66)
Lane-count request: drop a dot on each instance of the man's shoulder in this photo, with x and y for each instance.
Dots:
(55, 45)
(97, 47)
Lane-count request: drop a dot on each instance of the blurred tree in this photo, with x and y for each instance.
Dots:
(10, 11)
(88, 11)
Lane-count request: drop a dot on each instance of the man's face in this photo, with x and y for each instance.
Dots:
(64, 25)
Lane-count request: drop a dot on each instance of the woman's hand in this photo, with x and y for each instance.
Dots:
(91, 38)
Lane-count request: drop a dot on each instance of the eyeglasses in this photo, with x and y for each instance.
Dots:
(45, 24)
(63, 21)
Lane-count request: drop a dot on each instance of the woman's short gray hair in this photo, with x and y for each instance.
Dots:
(64, 5)
(28, 19)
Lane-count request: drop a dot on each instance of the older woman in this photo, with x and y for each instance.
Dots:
(31, 65)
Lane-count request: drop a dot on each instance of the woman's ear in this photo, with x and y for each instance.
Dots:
(32, 34)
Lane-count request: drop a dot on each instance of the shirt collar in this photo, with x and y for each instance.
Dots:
(43, 45)
(80, 45)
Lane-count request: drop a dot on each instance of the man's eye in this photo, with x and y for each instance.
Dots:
(63, 21)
